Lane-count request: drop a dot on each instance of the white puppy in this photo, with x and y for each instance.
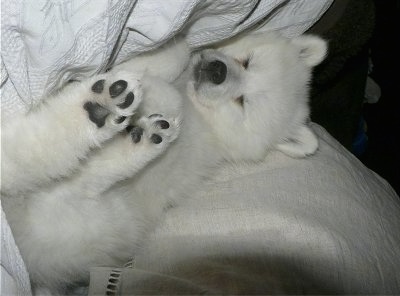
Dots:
(81, 191)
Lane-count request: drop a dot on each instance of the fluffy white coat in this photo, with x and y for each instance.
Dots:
(80, 192)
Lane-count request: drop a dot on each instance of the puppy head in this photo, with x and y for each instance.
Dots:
(253, 91)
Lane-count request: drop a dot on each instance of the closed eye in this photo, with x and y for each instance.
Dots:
(243, 62)
(240, 101)
(246, 62)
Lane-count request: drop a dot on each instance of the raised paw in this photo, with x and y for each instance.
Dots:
(154, 130)
(114, 98)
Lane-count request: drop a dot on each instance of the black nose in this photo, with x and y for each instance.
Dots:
(216, 71)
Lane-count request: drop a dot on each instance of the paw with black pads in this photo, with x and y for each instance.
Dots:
(154, 130)
(113, 99)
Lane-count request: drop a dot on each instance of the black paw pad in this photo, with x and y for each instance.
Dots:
(156, 139)
(98, 86)
(128, 101)
(163, 124)
(136, 134)
(97, 113)
(120, 119)
(117, 88)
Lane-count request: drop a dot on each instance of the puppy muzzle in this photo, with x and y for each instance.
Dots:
(210, 71)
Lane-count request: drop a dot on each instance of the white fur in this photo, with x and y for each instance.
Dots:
(78, 196)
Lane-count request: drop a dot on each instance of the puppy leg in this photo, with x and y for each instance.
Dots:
(50, 142)
(149, 136)
(303, 143)
(126, 155)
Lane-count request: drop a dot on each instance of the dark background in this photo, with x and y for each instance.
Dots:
(383, 118)
(362, 40)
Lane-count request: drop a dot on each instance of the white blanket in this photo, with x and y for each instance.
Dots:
(45, 43)
(14, 277)
(324, 225)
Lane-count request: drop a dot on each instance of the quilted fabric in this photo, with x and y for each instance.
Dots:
(46, 43)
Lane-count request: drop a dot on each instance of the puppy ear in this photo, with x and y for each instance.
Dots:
(312, 49)
(302, 144)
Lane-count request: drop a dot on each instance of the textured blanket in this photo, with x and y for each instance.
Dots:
(326, 225)
(46, 43)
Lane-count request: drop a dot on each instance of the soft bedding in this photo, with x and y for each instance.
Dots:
(46, 43)
(325, 225)
(326, 222)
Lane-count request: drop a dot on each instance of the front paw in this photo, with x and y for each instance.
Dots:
(114, 99)
(155, 131)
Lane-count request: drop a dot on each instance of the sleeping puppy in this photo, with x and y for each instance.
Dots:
(89, 172)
